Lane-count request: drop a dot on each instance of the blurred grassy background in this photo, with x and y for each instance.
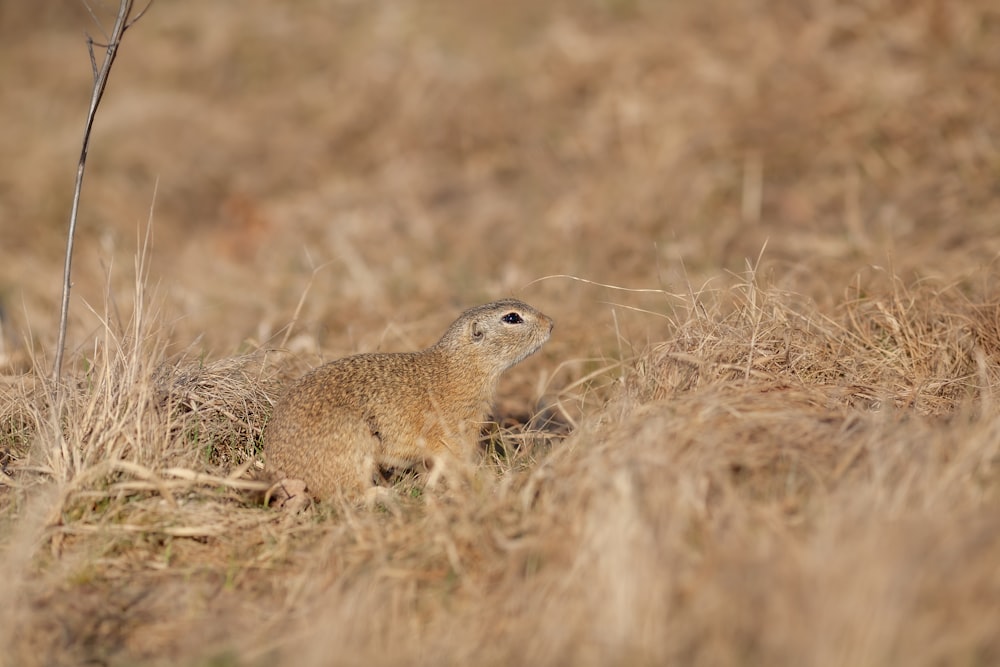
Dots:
(431, 155)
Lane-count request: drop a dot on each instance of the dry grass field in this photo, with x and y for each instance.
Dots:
(766, 430)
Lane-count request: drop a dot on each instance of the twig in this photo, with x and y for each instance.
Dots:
(123, 22)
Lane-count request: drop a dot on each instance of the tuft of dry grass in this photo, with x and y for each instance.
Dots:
(924, 346)
(768, 485)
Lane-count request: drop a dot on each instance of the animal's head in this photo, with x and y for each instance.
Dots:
(498, 334)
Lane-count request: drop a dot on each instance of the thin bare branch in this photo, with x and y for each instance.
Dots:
(123, 21)
(97, 21)
(138, 16)
(93, 58)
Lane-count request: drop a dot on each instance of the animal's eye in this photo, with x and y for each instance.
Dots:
(512, 318)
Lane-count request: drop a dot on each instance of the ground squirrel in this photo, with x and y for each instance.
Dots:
(342, 421)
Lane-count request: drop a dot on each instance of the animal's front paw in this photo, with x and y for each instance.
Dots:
(288, 495)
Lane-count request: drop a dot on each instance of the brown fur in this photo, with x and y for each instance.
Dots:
(344, 419)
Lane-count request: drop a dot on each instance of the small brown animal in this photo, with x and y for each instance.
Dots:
(342, 421)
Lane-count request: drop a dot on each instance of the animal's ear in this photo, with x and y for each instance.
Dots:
(477, 330)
